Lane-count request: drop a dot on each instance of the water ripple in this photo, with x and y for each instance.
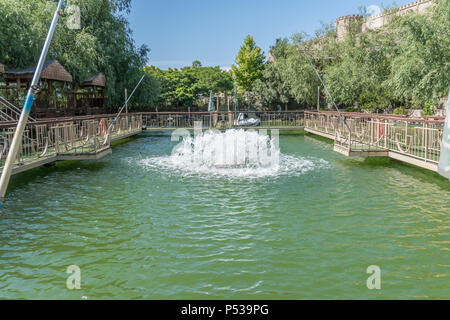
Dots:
(141, 227)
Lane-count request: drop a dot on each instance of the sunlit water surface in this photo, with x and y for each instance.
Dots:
(142, 224)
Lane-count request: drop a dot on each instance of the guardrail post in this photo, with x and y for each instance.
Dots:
(386, 132)
(372, 131)
(350, 137)
(425, 128)
(57, 140)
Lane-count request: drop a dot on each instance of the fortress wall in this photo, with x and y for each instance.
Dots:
(373, 22)
(379, 20)
(342, 24)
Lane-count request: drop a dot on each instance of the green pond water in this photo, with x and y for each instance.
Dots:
(140, 228)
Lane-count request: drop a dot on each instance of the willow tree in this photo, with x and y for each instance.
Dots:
(420, 71)
(103, 43)
(272, 89)
(299, 74)
(359, 73)
(404, 64)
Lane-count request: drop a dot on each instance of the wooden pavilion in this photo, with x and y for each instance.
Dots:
(52, 100)
(57, 97)
(90, 99)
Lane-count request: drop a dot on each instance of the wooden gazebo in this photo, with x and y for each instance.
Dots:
(99, 80)
(91, 98)
(52, 99)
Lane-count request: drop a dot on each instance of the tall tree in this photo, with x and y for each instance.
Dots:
(419, 72)
(359, 73)
(249, 65)
(272, 89)
(299, 74)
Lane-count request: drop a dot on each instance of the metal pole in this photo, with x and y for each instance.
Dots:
(12, 154)
(126, 103)
(235, 104)
(126, 99)
(318, 98)
(325, 88)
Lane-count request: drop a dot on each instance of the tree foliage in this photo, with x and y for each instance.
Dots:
(187, 86)
(249, 65)
(404, 64)
(359, 74)
(272, 89)
(104, 43)
(420, 71)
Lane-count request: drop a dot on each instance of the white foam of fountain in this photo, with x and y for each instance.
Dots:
(233, 154)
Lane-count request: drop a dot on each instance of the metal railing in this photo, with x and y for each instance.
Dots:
(46, 138)
(9, 112)
(50, 138)
(417, 138)
(221, 120)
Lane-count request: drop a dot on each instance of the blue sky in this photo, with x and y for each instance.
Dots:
(181, 31)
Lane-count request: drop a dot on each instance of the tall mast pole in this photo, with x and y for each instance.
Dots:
(32, 91)
(126, 99)
(326, 89)
(125, 104)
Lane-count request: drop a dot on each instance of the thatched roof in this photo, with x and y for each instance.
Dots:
(99, 80)
(52, 70)
(2, 68)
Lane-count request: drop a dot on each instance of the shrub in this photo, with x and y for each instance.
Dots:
(400, 111)
(428, 108)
